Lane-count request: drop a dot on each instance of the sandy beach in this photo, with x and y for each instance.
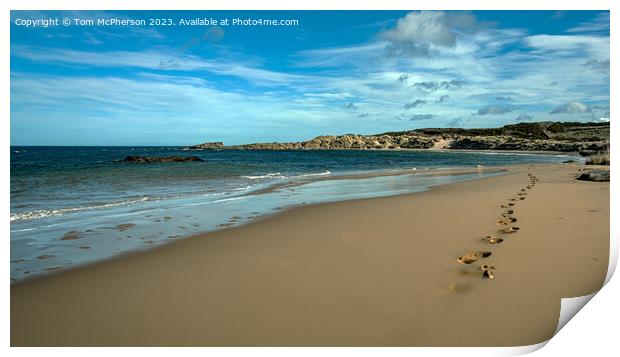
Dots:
(369, 272)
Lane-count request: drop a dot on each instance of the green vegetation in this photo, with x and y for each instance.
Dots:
(601, 158)
(560, 131)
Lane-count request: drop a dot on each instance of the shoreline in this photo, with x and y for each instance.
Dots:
(375, 271)
(179, 235)
(381, 173)
(432, 149)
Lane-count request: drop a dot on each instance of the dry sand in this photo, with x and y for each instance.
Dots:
(372, 272)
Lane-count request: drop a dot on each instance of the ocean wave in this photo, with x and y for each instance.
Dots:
(512, 153)
(270, 175)
(230, 199)
(325, 173)
(278, 175)
(245, 188)
(22, 216)
(24, 230)
(230, 191)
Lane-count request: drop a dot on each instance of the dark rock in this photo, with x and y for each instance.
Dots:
(211, 145)
(595, 175)
(569, 162)
(159, 159)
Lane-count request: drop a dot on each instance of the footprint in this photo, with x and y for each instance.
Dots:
(511, 204)
(472, 257)
(458, 288)
(492, 240)
(124, 226)
(486, 267)
(487, 274)
(505, 220)
(71, 235)
(508, 230)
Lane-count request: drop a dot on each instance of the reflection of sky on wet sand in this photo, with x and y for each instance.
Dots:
(101, 235)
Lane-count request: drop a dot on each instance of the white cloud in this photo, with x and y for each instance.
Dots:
(125, 111)
(572, 107)
(575, 45)
(600, 23)
(495, 110)
(341, 56)
(415, 104)
(418, 117)
(419, 33)
(598, 66)
(153, 60)
(336, 96)
(472, 69)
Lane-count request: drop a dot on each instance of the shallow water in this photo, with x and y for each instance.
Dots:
(110, 208)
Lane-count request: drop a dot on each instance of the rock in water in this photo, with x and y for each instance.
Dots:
(159, 159)
(594, 175)
(211, 145)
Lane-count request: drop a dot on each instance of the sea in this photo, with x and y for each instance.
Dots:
(72, 206)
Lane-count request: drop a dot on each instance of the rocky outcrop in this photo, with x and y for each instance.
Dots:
(511, 143)
(213, 145)
(344, 142)
(585, 138)
(159, 159)
(595, 175)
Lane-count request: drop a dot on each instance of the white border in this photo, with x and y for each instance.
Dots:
(593, 331)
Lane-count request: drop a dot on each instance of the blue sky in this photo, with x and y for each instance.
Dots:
(335, 72)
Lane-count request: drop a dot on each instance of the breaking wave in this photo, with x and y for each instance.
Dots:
(21, 216)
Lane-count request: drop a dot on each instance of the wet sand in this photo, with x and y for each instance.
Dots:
(371, 272)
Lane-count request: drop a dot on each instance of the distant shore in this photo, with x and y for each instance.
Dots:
(583, 138)
(369, 272)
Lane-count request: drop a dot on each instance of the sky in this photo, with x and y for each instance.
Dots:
(334, 72)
